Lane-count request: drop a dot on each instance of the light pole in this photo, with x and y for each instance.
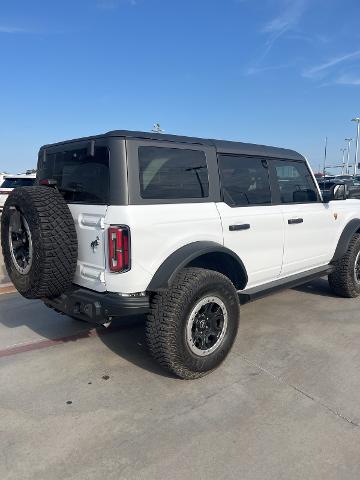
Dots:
(357, 120)
(348, 140)
(343, 150)
(325, 157)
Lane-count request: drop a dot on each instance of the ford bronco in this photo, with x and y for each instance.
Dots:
(180, 229)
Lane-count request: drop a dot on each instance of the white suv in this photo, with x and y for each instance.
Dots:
(177, 228)
(9, 182)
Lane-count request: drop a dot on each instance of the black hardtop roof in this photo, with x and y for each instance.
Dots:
(222, 146)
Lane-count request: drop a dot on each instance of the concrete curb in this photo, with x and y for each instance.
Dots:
(7, 288)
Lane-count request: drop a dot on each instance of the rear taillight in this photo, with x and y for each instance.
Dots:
(48, 182)
(119, 249)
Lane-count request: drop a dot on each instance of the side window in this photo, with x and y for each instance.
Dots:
(244, 180)
(295, 182)
(171, 173)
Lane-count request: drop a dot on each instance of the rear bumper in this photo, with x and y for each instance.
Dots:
(96, 307)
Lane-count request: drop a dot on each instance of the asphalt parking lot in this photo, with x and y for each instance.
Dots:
(284, 405)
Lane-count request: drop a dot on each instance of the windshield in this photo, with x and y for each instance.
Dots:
(81, 178)
(17, 182)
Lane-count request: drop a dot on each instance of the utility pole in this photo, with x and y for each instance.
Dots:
(348, 140)
(343, 150)
(357, 120)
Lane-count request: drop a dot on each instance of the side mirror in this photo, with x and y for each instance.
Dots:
(336, 192)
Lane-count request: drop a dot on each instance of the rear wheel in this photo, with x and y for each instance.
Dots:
(192, 325)
(345, 280)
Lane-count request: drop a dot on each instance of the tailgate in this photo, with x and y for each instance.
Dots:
(91, 263)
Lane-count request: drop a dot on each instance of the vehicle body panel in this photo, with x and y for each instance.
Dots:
(90, 228)
(157, 231)
(305, 245)
(261, 246)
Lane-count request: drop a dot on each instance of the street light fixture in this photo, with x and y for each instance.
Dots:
(343, 150)
(348, 140)
(357, 120)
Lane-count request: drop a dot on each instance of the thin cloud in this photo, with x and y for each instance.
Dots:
(322, 69)
(113, 4)
(285, 22)
(11, 30)
(256, 70)
(348, 79)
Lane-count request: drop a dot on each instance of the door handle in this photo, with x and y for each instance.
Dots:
(292, 221)
(235, 228)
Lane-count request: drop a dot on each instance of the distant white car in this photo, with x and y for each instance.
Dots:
(10, 182)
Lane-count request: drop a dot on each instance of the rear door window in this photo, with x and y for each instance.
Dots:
(81, 178)
(244, 180)
(171, 173)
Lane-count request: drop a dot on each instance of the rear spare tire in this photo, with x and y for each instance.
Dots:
(39, 242)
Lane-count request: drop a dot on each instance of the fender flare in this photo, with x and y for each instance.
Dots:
(183, 256)
(350, 229)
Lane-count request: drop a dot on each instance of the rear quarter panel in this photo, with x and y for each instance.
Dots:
(156, 232)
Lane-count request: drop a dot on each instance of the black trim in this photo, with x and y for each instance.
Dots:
(97, 307)
(293, 221)
(235, 228)
(351, 228)
(287, 282)
(222, 146)
(182, 257)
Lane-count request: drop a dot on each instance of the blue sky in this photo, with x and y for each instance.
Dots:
(278, 72)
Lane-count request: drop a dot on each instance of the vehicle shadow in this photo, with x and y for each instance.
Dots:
(125, 337)
(319, 287)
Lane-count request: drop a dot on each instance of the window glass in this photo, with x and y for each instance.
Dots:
(172, 173)
(295, 182)
(244, 180)
(80, 178)
(17, 182)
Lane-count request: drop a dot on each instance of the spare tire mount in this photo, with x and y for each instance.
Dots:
(20, 242)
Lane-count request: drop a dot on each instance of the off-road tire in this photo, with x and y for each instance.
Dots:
(169, 313)
(343, 281)
(54, 241)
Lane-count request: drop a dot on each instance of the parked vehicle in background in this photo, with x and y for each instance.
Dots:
(344, 176)
(9, 182)
(180, 229)
(353, 187)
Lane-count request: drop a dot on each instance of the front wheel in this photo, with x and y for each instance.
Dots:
(192, 326)
(345, 280)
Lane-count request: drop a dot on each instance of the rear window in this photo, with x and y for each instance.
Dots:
(172, 173)
(81, 178)
(17, 182)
